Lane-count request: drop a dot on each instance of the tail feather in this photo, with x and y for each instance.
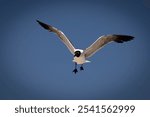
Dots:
(87, 61)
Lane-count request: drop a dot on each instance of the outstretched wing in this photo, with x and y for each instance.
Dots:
(103, 40)
(60, 34)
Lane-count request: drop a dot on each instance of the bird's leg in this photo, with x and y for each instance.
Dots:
(75, 70)
(81, 67)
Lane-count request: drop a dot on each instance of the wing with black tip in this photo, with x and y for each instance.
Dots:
(60, 34)
(103, 40)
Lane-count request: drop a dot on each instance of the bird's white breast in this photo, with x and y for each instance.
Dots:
(79, 60)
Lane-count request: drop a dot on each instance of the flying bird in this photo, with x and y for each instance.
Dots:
(81, 55)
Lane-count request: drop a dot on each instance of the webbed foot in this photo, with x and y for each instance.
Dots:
(75, 71)
(81, 68)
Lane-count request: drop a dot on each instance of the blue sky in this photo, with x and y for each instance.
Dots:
(34, 64)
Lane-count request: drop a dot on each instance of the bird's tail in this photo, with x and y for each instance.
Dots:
(87, 61)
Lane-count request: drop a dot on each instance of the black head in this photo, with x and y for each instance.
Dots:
(77, 53)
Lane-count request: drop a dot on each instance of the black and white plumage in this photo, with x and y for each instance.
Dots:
(81, 55)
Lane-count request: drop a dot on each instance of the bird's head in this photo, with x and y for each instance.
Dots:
(78, 52)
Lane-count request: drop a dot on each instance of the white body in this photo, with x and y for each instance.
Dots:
(81, 59)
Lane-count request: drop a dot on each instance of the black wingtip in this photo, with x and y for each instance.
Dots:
(123, 38)
(45, 26)
(38, 21)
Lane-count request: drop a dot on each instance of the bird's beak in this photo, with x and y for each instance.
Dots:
(75, 55)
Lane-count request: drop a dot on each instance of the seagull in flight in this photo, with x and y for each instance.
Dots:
(81, 55)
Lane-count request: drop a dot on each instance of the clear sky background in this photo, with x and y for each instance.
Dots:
(34, 64)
